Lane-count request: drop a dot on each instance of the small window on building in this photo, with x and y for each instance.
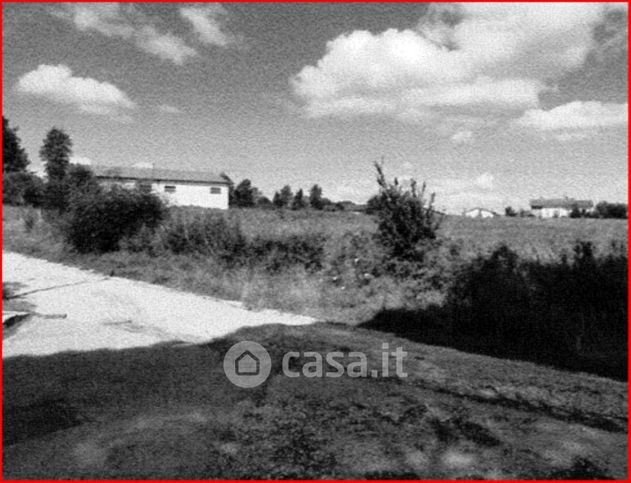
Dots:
(214, 190)
(169, 188)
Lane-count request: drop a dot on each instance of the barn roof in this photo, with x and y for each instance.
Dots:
(157, 174)
(567, 203)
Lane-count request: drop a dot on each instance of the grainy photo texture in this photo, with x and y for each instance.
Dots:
(314, 241)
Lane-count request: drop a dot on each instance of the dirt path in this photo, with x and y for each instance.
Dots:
(84, 310)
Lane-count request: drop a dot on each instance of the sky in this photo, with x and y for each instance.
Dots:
(489, 104)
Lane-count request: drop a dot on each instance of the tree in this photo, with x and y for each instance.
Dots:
(576, 212)
(245, 194)
(283, 198)
(315, 197)
(264, 202)
(611, 210)
(299, 202)
(55, 153)
(276, 200)
(14, 158)
(80, 178)
(509, 211)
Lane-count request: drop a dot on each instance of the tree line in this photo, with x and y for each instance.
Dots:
(603, 209)
(245, 195)
(23, 187)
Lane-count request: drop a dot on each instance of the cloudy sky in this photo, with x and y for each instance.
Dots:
(491, 104)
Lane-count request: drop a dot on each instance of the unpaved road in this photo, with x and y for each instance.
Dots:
(111, 392)
(88, 311)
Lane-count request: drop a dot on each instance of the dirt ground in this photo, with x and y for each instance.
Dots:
(127, 386)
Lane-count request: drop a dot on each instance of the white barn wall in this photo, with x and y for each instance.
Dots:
(193, 194)
(554, 212)
(186, 193)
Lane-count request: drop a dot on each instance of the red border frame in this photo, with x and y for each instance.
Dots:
(341, 1)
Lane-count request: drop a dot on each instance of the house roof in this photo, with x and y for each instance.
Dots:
(567, 203)
(157, 174)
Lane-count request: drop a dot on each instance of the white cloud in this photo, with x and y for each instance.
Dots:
(124, 21)
(167, 109)
(462, 137)
(143, 165)
(56, 83)
(166, 46)
(487, 57)
(82, 160)
(208, 23)
(576, 115)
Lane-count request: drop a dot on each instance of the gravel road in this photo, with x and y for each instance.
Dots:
(83, 310)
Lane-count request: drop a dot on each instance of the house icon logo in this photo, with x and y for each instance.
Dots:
(247, 364)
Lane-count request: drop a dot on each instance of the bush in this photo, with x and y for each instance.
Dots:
(277, 253)
(30, 218)
(59, 191)
(22, 188)
(206, 234)
(356, 258)
(405, 218)
(554, 312)
(97, 221)
(57, 195)
(611, 210)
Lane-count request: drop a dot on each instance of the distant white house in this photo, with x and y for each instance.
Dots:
(479, 213)
(558, 207)
(182, 188)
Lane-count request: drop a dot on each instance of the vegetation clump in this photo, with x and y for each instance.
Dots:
(97, 221)
(406, 219)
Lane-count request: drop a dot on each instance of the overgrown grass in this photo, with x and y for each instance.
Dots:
(331, 266)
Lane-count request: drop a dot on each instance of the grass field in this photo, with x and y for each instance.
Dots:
(347, 281)
(530, 237)
(296, 290)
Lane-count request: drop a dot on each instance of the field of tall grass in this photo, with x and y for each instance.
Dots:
(479, 285)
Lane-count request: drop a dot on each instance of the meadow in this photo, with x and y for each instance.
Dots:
(481, 286)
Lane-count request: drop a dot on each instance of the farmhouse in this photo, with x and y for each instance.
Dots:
(558, 207)
(479, 213)
(182, 188)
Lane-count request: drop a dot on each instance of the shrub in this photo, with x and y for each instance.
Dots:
(21, 188)
(57, 195)
(30, 218)
(204, 233)
(34, 191)
(611, 210)
(553, 311)
(405, 218)
(283, 251)
(97, 221)
(146, 240)
(59, 191)
(355, 258)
